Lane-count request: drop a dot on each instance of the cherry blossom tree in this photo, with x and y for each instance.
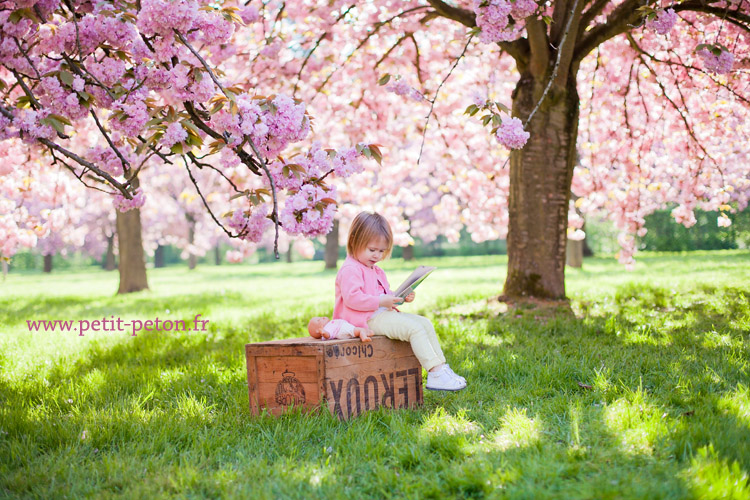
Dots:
(110, 89)
(650, 96)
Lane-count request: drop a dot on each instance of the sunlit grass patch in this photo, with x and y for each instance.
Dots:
(614, 396)
(516, 430)
(714, 478)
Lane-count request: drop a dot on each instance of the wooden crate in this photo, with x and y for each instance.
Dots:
(348, 376)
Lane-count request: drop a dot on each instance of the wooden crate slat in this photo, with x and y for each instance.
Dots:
(394, 383)
(347, 376)
(272, 368)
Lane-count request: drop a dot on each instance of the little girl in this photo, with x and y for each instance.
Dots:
(364, 299)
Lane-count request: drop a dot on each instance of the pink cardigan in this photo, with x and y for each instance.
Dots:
(358, 291)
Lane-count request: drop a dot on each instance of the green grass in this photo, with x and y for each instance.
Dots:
(639, 390)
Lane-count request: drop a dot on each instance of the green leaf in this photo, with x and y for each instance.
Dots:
(54, 123)
(194, 140)
(547, 20)
(15, 16)
(471, 110)
(190, 125)
(376, 155)
(67, 78)
(503, 107)
(60, 118)
(238, 195)
(23, 102)
(486, 119)
(496, 120)
(384, 79)
(178, 148)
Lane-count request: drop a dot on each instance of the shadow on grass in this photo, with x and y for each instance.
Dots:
(614, 404)
(680, 362)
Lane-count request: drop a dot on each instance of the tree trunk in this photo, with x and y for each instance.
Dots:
(5, 268)
(409, 252)
(159, 256)
(574, 253)
(331, 255)
(47, 263)
(192, 259)
(132, 262)
(587, 251)
(109, 263)
(289, 253)
(217, 255)
(540, 179)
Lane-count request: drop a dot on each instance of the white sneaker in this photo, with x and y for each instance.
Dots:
(443, 380)
(459, 377)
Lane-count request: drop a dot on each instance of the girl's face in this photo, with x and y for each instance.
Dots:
(373, 252)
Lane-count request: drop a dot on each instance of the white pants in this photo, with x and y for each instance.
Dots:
(415, 329)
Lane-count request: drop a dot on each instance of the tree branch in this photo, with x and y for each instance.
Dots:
(517, 49)
(125, 163)
(317, 44)
(374, 31)
(674, 105)
(434, 100)
(205, 203)
(566, 47)
(560, 50)
(539, 47)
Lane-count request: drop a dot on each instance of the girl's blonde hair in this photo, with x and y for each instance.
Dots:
(365, 228)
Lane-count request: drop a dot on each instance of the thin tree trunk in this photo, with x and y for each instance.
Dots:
(289, 253)
(217, 255)
(587, 251)
(132, 262)
(574, 253)
(540, 179)
(192, 259)
(5, 268)
(409, 252)
(109, 263)
(47, 263)
(159, 256)
(331, 254)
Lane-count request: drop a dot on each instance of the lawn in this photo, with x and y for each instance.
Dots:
(638, 389)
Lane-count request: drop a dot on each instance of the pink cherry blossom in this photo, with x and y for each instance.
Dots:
(511, 134)
(400, 87)
(175, 133)
(123, 204)
(663, 22)
(721, 64)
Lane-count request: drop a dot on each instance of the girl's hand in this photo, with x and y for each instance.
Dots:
(389, 301)
(410, 297)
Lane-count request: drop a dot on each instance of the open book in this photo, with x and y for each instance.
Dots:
(413, 281)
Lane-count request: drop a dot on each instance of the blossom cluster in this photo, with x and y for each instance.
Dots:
(400, 87)
(250, 227)
(293, 173)
(663, 22)
(123, 204)
(494, 22)
(720, 64)
(271, 124)
(511, 134)
(297, 218)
